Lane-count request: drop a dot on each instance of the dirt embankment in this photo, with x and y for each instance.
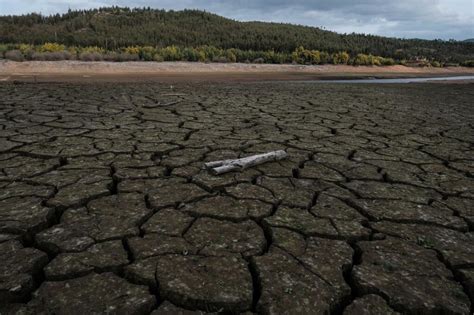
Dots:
(187, 71)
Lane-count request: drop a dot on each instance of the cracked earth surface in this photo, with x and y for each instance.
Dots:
(105, 207)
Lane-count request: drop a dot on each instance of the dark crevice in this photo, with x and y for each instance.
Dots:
(115, 181)
(347, 274)
(126, 247)
(295, 173)
(257, 285)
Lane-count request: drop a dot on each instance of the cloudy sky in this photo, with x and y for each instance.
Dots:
(445, 19)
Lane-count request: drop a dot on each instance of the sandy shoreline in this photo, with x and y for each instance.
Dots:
(47, 71)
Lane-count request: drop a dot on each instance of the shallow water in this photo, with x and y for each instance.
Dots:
(399, 80)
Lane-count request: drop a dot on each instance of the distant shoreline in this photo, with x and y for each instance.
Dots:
(73, 71)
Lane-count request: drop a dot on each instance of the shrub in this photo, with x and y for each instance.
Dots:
(52, 56)
(201, 56)
(132, 50)
(190, 54)
(14, 55)
(340, 58)
(274, 57)
(25, 48)
(376, 61)
(111, 56)
(145, 53)
(361, 60)
(128, 57)
(314, 57)
(297, 56)
(91, 49)
(158, 58)
(388, 61)
(3, 49)
(52, 47)
(369, 60)
(325, 57)
(230, 56)
(468, 63)
(436, 64)
(171, 53)
(90, 56)
(220, 59)
(210, 52)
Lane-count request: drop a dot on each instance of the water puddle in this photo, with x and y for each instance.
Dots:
(399, 80)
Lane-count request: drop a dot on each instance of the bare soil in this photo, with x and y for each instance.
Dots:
(105, 206)
(77, 71)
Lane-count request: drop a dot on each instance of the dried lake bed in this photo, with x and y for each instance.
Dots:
(105, 207)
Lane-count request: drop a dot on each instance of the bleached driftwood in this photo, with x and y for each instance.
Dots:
(224, 166)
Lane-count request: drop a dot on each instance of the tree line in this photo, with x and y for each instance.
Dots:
(56, 51)
(114, 29)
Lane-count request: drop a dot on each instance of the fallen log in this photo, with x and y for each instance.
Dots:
(225, 166)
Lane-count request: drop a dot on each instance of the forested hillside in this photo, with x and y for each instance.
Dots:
(115, 28)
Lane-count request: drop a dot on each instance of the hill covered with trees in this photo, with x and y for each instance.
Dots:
(113, 29)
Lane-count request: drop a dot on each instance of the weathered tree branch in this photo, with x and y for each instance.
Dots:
(225, 166)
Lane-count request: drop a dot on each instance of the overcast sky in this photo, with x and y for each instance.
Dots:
(445, 19)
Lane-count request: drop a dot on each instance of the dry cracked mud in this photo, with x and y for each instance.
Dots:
(105, 207)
